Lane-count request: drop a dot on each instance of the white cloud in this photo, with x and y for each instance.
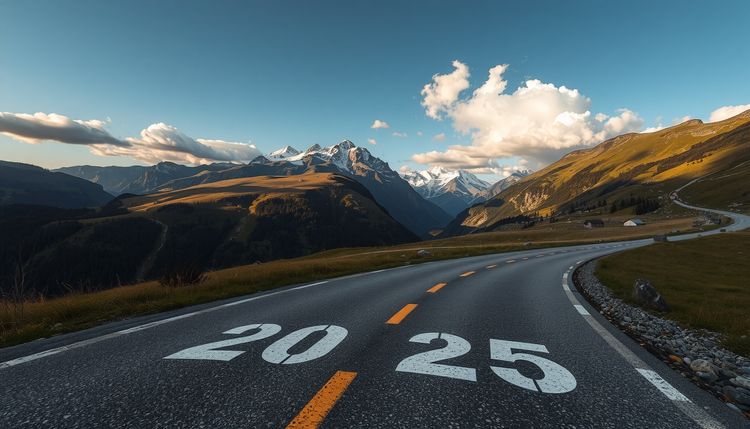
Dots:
(444, 89)
(378, 124)
(162, 142)
(420, 133)
(439, 137)
(42, 126)
(372, 141)
(159, 142)
(726, 112)
(399, 134)
(538, 121)
(404, 169)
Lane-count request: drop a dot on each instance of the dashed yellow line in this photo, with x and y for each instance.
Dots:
(316, 410)
(401, 314)
(467, 274)
(511, 261)
(491, 266)
(436, 288)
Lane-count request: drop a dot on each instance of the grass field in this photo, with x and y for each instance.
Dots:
(705, 281)
(728, 190)
(79, 311)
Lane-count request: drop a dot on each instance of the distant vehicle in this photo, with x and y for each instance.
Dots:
(662, 238)
(723, 230)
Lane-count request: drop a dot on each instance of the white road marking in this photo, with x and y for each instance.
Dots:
(661, 384)
(581, 310)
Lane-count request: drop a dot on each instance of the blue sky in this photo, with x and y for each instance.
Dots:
(278, 72)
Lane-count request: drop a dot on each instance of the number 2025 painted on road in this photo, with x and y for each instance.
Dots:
(556, 379)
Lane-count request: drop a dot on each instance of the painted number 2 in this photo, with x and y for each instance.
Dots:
(278, 352)
(556, 379)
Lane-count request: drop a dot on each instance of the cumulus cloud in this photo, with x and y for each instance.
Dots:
(538, 121)
(378, 124)
(159, 142)
(439, 137)
(42, 126)
(372, 141)
(443, 91)
(399, 134)
(726, 112)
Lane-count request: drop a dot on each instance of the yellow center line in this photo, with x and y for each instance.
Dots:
(398, 317)
(436, 288)
(313, 414)
(491, 266)
(467, 274)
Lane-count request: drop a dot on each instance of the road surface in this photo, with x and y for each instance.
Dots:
(491, 341)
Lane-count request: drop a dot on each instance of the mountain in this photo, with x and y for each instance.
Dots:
(451, 190)
(456, 190)
(618, 173)
(389, 189)
(137, 179)
(504, 184)
(213, 225)
(29, 184)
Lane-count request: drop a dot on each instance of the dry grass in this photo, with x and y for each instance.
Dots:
(80, 311)
(705, 282)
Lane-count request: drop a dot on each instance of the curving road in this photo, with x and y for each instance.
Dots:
(492, 341)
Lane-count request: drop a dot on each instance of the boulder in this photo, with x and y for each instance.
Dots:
(702, 365)
(645, 293)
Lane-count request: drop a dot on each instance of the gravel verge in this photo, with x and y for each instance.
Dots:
(696, 354)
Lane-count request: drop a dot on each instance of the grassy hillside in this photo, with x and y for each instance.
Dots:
(208, 226)
(633, 166)
(726, 190)
(705, 282)
(29, 184)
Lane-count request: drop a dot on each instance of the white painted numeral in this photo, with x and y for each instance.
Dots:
(208, 352)
(278, 352)
(424, 363)
(556, 378)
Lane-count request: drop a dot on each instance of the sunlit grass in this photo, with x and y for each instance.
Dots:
(705, 282)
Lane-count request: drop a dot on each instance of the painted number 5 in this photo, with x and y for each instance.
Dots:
(556, 378)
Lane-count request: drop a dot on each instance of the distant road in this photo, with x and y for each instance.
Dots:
(500, 340)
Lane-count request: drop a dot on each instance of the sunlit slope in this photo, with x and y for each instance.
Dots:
(648, 164)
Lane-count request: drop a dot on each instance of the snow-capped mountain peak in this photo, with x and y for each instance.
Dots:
(344, 155)
(283, 153)
(438, 180)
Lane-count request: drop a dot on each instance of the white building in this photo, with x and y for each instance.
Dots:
(634, 222)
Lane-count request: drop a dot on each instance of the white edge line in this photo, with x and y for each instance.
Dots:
(667, 389)
(581, 310)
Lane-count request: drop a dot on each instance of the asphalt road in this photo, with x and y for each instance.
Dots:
(507, 346)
